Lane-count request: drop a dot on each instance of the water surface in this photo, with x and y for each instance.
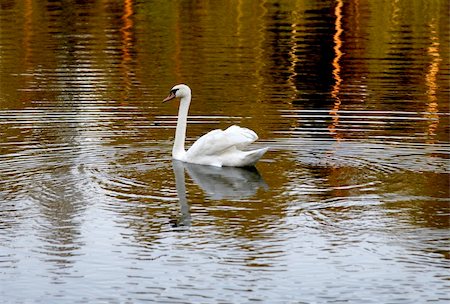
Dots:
(350, 204)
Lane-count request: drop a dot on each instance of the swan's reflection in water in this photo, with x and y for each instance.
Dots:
(217, 182)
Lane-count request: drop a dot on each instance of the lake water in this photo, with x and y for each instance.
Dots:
(350, 204)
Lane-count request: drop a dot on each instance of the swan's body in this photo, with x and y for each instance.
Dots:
(215, 148)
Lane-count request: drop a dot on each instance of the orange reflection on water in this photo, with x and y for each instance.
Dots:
(431, 83)
(127, 43)
(293, 52)
(336, 71)
(27, 47)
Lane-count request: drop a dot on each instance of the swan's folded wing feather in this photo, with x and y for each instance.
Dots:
(239, 131)
(240, 136)
(217, 141)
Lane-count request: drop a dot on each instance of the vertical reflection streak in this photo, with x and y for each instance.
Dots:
(293, 53)
(127, 43)
(260, 50)
(395, 12)
(336, 70)
(27, 63)
(431, 83)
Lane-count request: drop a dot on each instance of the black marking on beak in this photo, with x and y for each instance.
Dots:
(172, 95)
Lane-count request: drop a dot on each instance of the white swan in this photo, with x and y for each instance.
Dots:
(217, 147)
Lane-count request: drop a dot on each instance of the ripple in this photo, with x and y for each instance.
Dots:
(363, 142)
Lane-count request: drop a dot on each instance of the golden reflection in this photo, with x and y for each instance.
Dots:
(431, 83)
(337, 70)
(260, 50)
(293, 52)
(395, 12)
(127, 44)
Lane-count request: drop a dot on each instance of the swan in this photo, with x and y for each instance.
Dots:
(215, 148)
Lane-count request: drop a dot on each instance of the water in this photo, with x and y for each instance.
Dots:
(351, 203)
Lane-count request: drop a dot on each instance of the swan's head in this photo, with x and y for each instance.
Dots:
(178, 91)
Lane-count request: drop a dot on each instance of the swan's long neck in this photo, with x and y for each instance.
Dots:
(180, 133)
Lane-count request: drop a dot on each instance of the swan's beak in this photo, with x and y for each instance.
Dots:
(170, 97)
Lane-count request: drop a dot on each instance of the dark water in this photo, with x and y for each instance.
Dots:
(351, 203)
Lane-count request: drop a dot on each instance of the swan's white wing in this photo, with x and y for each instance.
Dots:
(217, 141)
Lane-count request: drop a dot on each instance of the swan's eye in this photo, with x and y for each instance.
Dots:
(174, 91)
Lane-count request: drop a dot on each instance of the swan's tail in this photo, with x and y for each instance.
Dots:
(253, 156)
